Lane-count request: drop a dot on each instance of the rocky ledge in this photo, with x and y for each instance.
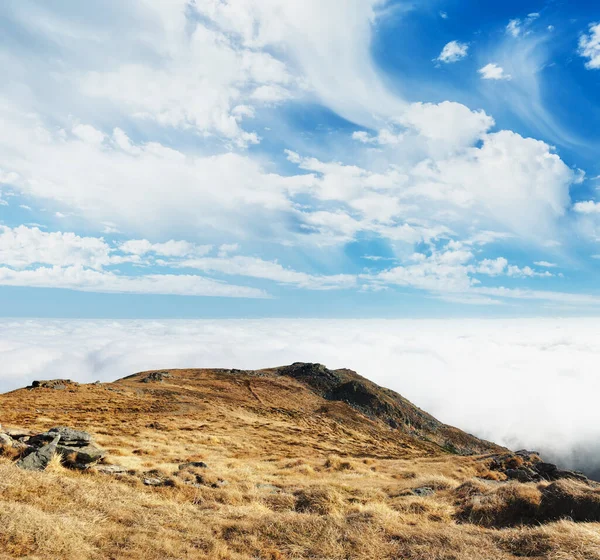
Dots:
(527, 466)
(34, 452)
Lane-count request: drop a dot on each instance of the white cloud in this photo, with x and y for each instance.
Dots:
(452, 124)
(227, 248)
(22, 247)
(545, 264)
(430, 172)
(587, 207)
(492, 71)
(498, 179)
(533, 365)
(170, 248)
(440, 272)
(518, 181)
(517, 27)
(526, 272)
(589, 47)
(89, 134)
(453, 52)
(190, 57)
(514, 27)
(492, 267)
(268, 270)
(130, 191)
(31, 257)
(88, 280)
(270, 94)
(319, 36)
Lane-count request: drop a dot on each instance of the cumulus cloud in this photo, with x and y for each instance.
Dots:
(453, 52)
(130, 192)
(492, 71)
(503, 380)
(587, 207)
(589, 47)
(22, 247)
(452, 124)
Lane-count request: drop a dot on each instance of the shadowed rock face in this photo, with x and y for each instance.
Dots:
(376, 402)
(38, 460)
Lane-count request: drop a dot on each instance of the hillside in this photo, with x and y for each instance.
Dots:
(291, 462)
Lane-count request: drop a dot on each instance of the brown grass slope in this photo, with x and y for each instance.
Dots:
(302, 462)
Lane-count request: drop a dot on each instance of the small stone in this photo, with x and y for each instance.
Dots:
(423, 491)
(193, 464)
(153, 482)
(111, 469)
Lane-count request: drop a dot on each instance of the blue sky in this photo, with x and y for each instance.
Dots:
(257, 158)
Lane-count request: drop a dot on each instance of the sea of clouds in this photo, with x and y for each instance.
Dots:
(527, 383)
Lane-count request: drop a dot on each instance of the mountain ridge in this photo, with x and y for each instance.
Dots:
(288, 462)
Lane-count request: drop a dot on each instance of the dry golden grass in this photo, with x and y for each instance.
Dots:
(301, 483)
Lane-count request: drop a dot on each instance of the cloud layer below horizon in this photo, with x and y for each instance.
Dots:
(521, 383)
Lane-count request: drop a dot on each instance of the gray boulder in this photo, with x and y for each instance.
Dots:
(111, 469)
(80, 455)
(5, 440)
(75, 446)
(38, 460)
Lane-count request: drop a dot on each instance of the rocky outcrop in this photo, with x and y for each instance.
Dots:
(68, 437)
(76, 448)
(527, 466)
(38, 459)
(379, 403)
(155, 377)
(56, 384)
